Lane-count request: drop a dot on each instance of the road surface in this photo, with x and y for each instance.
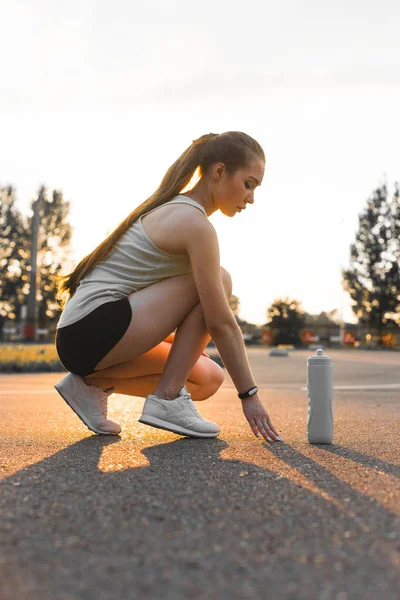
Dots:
(151, 514)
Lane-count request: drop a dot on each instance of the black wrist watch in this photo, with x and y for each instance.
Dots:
(249, 392)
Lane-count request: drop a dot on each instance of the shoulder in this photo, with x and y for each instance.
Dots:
(197, 233)
(192, 218)
(189, 219)
(187, 207)
(171, 226)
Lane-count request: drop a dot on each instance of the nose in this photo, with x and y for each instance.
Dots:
(250, 199)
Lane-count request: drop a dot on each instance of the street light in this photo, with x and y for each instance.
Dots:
(341, 301)
(341, 309)
(30, 325)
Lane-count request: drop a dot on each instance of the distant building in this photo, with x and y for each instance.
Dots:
(323, 330)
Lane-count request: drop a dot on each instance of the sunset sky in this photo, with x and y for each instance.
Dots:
(99, 98)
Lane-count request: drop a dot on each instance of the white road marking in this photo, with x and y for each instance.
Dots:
(382, 386)
(28, 391)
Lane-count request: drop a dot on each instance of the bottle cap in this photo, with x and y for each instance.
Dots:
(319, 358)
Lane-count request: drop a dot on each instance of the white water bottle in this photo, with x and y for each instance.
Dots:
(320, 394)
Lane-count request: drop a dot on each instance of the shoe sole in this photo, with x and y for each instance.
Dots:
(81, 416)
(159, 424)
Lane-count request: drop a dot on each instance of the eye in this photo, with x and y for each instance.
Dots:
(248, 185)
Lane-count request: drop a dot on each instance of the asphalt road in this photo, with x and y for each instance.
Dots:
(151, 514)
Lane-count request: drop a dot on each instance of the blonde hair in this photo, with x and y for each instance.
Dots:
(233, 148)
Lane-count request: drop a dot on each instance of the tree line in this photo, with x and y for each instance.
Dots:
(372, 281)
(54, 250)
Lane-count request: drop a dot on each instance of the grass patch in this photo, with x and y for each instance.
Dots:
(29, 358)
(41, 358)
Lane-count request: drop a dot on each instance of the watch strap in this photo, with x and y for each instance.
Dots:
(249, 392)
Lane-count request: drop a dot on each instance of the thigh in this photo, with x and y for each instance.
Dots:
(157, 311)
(206, 370)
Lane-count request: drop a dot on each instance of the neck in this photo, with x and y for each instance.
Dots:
(203, 197)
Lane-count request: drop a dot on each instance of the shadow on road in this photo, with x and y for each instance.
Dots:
(191, 525)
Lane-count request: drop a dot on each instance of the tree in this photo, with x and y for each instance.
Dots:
(15, 255)
(373, 280)
(334, 316)
(286, 317)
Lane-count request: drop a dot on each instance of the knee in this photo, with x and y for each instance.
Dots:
(216, 379)
(218, 375)
(227, 281)
(213, 381)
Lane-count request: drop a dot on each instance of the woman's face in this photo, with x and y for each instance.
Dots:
(233, 192)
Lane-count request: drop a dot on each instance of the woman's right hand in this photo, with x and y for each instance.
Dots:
(258, 418)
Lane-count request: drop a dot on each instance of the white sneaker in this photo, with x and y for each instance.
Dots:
(179, 415)
(88, 402)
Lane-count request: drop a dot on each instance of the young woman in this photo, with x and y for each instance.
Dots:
(157, 273)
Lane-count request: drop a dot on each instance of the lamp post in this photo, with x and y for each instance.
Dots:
(341, 300)
(341, 309)
(30, 325)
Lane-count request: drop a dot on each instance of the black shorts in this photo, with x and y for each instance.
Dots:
(82, 345)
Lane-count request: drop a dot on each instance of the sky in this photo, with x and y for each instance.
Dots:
(99, 98)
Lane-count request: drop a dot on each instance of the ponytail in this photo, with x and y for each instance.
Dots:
(234, 148)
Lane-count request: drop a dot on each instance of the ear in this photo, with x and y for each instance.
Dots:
(217, 172)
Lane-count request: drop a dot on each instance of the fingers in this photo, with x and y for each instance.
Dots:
(264, 433)
(260, 422)
(254, 428)
(264, 419)
(267, 431)
(273, 429)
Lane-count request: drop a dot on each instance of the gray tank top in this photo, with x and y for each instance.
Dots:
(135, 263)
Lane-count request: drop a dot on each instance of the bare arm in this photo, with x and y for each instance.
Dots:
(230, 344)
(170, 339)
(229, 341)
(203, 250)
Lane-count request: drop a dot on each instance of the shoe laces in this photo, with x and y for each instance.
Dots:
(188, 400)
(104, 402)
